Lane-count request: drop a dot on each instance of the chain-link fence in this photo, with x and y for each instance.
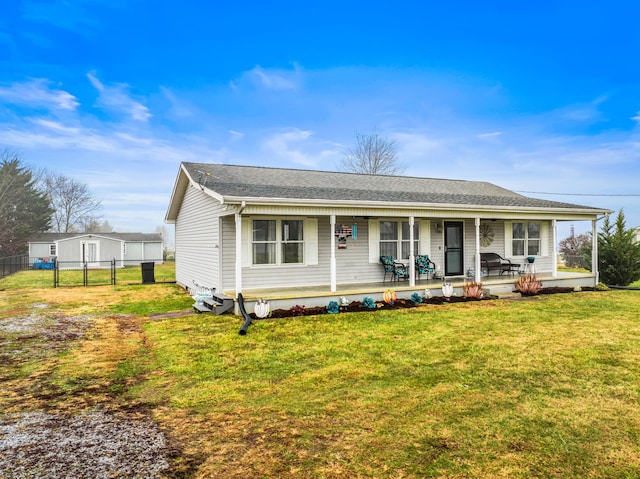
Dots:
(575, 261)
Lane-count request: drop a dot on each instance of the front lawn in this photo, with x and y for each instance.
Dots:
(547, 386)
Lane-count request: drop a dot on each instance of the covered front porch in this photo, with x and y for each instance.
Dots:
(313, 296)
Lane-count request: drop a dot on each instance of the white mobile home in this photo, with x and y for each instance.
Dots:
(96, 250)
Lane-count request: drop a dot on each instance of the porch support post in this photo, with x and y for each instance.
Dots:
(412, 256)
(554, 239)
(476, 267)
(238, 254)
(332, 239)
(594, 250)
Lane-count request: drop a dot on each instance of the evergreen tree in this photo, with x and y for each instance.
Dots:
(618, 253)
(24, 210)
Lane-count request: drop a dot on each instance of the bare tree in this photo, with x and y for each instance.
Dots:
(94, 226)
(373, 154)
(75, 207)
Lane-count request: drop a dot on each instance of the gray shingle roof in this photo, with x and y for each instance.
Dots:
(131, 237)
(261, 182)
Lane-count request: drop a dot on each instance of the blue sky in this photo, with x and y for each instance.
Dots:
(535, 97)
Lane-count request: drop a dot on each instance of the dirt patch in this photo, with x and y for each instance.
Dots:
(36, 335)
(89, 445)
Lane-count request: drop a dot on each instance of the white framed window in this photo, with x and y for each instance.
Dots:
(280, 241)
(392, 237)
(395, 239)
(526, 238)
(52, 249)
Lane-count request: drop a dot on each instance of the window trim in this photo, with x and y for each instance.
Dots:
(309, 241)
(422, 226)
(543, 250)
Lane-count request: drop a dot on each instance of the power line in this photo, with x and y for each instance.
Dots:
(577, 194)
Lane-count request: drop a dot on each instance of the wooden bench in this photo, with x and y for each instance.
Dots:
(495, 262)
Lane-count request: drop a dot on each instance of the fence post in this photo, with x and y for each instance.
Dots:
(85, 275)
(56, 277)
(113, 272)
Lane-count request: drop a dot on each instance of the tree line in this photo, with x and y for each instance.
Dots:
(33, 202)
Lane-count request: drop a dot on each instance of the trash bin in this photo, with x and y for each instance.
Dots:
(148, 272)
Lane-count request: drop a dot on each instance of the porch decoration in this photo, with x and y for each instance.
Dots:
(389, 296)
(344, 301)
(427, 293)
(333, 307)
(262, 308)
(416, 298)
(447, 290)
(343, 232)
(368, 303)
(486, 235)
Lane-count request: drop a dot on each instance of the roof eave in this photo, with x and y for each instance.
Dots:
(403, 205)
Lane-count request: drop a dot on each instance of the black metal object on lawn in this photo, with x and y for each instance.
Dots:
(148, 272)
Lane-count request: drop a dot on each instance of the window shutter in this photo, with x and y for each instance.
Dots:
(425, 237)
(374, 241)
(247, 239)
(311, 241)
(508, 240)
(544, 238)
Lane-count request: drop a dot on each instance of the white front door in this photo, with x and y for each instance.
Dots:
(91, 254)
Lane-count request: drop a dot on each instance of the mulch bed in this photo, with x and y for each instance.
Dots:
(357, 306)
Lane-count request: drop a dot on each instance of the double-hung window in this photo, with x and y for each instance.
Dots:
(395, 239)
(52, 249)
(292, 241)
(526, 239)
(277, 241)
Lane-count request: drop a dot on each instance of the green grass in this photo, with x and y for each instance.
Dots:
(541, 387)
(164, 272)
(544, 388)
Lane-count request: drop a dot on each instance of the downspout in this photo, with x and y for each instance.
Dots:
(238, 218)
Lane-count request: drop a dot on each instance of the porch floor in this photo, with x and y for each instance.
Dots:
(375, 289)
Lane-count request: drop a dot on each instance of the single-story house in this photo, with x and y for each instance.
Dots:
(281, 233)
(97, 250)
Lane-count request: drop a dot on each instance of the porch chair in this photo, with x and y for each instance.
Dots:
(425, 266)
(387, 263)
(398, 271)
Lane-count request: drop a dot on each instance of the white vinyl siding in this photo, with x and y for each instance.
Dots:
(198, 240)
(314, 271)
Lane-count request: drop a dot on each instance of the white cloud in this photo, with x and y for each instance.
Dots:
(235, 135)
(271, 79)
(116, 98)
(295, 146)
(37, 92)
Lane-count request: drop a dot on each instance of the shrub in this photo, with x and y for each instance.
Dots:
(473, 290)
(298, 310)
(528, 284)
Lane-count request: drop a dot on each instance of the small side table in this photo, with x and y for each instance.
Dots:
(530, 266)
